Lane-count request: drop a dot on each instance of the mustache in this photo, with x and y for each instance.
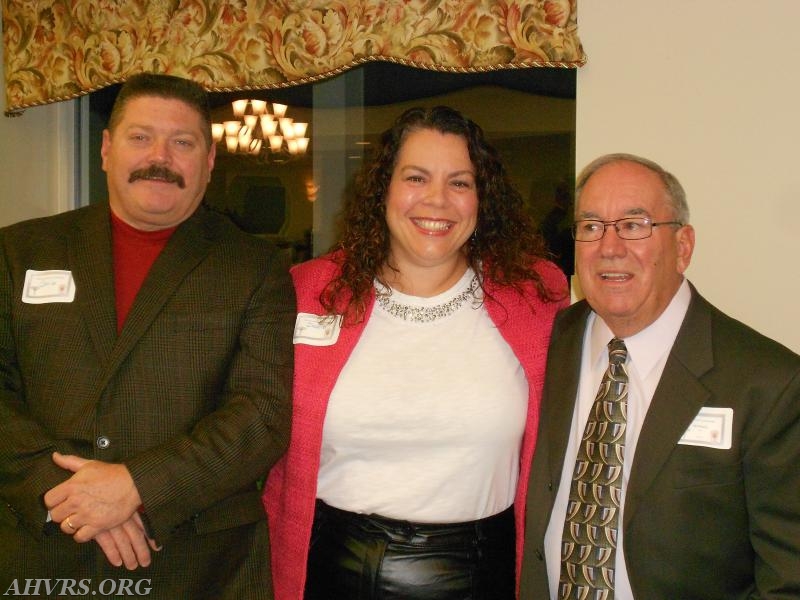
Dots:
(159, 173)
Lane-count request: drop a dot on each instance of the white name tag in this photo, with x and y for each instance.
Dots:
(317, 330)
(42, 287)
(712, 428)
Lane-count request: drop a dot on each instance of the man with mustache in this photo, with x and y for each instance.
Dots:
(145, 374)
(158, 173)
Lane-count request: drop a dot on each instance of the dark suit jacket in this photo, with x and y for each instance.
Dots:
(193, 396)
(698, 522)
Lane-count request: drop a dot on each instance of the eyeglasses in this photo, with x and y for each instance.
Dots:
(629, 228)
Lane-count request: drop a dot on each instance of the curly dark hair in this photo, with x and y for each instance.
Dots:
(503, 247)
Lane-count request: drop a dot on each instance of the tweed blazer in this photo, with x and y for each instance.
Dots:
(699, 522)
(290, 493)
(193, 396)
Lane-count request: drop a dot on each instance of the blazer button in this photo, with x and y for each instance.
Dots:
(102, 442)
(539, 554)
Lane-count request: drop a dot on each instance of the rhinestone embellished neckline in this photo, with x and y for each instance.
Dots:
(425, 314)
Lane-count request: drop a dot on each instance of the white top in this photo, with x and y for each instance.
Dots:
(648, 351)
(425, 422)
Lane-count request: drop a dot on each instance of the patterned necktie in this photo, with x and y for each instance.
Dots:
(589, 541)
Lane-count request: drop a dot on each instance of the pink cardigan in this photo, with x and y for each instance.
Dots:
(290, 490)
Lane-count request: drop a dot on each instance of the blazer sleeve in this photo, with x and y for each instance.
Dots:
(231, 447)
(772, 489)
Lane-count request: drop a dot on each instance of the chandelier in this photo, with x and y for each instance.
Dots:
(256, 131)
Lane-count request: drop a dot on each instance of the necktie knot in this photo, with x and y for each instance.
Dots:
(617, 352)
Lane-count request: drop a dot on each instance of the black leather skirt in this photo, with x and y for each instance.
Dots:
(368, 557)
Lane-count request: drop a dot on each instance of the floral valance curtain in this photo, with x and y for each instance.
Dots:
(60, 49)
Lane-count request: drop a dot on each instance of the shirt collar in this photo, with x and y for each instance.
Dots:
(653, 342)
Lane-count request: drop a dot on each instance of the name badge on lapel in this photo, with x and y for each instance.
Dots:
(41, 287)
(317, 330)
(712, 428)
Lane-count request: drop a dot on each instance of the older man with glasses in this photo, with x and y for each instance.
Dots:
(678, 478)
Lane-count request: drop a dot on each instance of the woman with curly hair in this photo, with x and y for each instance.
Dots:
(420, 347)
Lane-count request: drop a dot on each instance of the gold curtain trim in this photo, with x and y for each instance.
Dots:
(64, 49)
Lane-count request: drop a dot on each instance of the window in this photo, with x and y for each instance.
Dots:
(528, 114)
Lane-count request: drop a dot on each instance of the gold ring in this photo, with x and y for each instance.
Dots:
(69, 524)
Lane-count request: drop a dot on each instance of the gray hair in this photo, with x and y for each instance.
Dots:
(675, 192)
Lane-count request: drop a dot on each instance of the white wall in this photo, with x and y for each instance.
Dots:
(711, 91)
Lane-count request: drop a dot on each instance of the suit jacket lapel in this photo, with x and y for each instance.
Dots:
(676, 402)
(188, 246)
(92, 267)
(90, 256)
(561, 391)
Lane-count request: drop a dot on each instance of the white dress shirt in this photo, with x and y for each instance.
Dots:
(647, 354)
